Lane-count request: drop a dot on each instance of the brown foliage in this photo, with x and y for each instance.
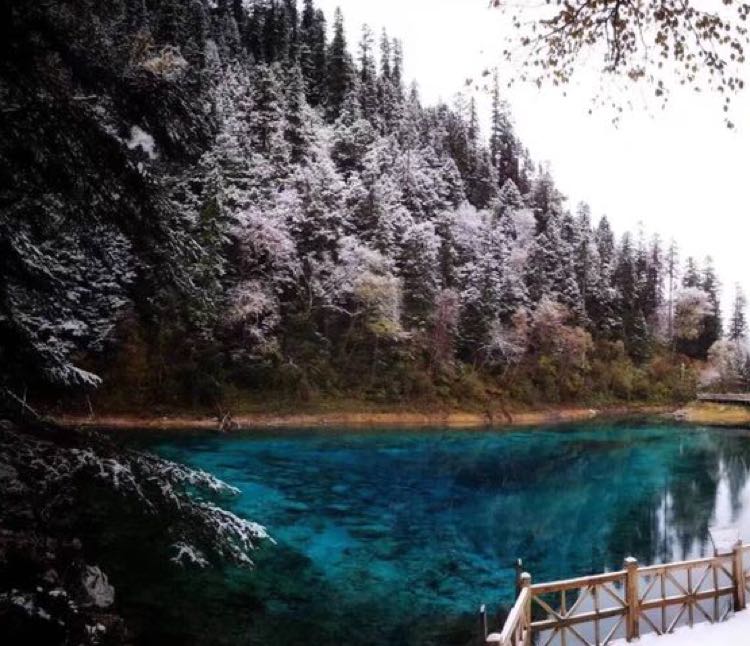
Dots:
(700, 45)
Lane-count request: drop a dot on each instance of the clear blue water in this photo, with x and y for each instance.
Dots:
(397, 537)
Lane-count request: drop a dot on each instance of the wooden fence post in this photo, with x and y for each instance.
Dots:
(738, 577)
(632, 621)
(525, 580)
(519, 572)
(482, 625)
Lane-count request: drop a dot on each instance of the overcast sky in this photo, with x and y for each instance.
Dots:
(680, 171)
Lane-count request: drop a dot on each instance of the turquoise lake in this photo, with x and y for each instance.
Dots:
(397, 536)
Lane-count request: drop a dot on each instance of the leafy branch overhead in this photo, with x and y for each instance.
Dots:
(666, 43)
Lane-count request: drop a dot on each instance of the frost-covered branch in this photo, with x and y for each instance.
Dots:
(182, 496)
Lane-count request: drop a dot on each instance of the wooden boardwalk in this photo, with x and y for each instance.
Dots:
(725, 398)
(597, 610)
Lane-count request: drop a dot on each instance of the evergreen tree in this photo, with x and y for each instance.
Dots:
(544, 198)
(313, 53)
(271, 32)
(630, 311)
(397, 67)
(136, 17)
(353, 138)
(226, 33)
(197, 34)
(385, 56)
(653, 291)
(295, 126)
(238, 13)
(691, 276)
(509, 199)
(317, 222)
(481, 184)
(738, 320)
(170, 22)
(601, 305)
(267, 117)
(712, 325)
(291, 31)
(473, 129)
(387, 96)
(339, 69)
(418, 268)
(251, 36)
(550, 270)
(672, 271)
(585, 255)
(368, 84)
(482, 289)
(502, 137)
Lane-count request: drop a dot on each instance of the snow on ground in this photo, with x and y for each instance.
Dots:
(139, 138)
(733, 632)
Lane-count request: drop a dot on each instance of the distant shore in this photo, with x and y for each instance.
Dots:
(380, 418)
(713, 414)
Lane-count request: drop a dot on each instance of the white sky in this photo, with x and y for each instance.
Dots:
(680, 171)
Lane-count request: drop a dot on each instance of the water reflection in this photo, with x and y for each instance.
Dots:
(396, 538)
(704, 485)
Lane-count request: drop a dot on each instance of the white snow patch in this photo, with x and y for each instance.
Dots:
(27, 602)
(188, 555)
(98, 590)
(723, 538)
(733, 632)
(139, 138)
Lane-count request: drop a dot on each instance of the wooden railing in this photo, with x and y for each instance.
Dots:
(596, 610)
(725, 398)
(517, 629)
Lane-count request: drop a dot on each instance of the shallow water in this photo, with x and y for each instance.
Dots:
(397, 537)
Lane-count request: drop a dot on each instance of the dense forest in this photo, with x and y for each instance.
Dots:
(205, 200)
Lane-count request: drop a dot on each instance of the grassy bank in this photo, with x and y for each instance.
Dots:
(715, 414)
(350, 413)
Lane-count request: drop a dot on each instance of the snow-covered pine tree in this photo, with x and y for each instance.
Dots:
(340, 69)
(672, 271)
(368, 77)
(509, 201)
(627, 285)
(503, 145)
(550, 270)
(691, 277)
(296, 128)
(713, 325)
(418, 264)
(266, 121)
(313, 53)
(738, 320)
(653, 288)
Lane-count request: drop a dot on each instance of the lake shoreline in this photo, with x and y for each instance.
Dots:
(383, 418)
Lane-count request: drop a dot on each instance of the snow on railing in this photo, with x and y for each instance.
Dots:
(596, 610)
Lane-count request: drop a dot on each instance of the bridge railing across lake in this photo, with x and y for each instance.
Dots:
(725, 398)
(596, 610)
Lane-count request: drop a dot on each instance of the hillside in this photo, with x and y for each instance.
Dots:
(208, 203)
